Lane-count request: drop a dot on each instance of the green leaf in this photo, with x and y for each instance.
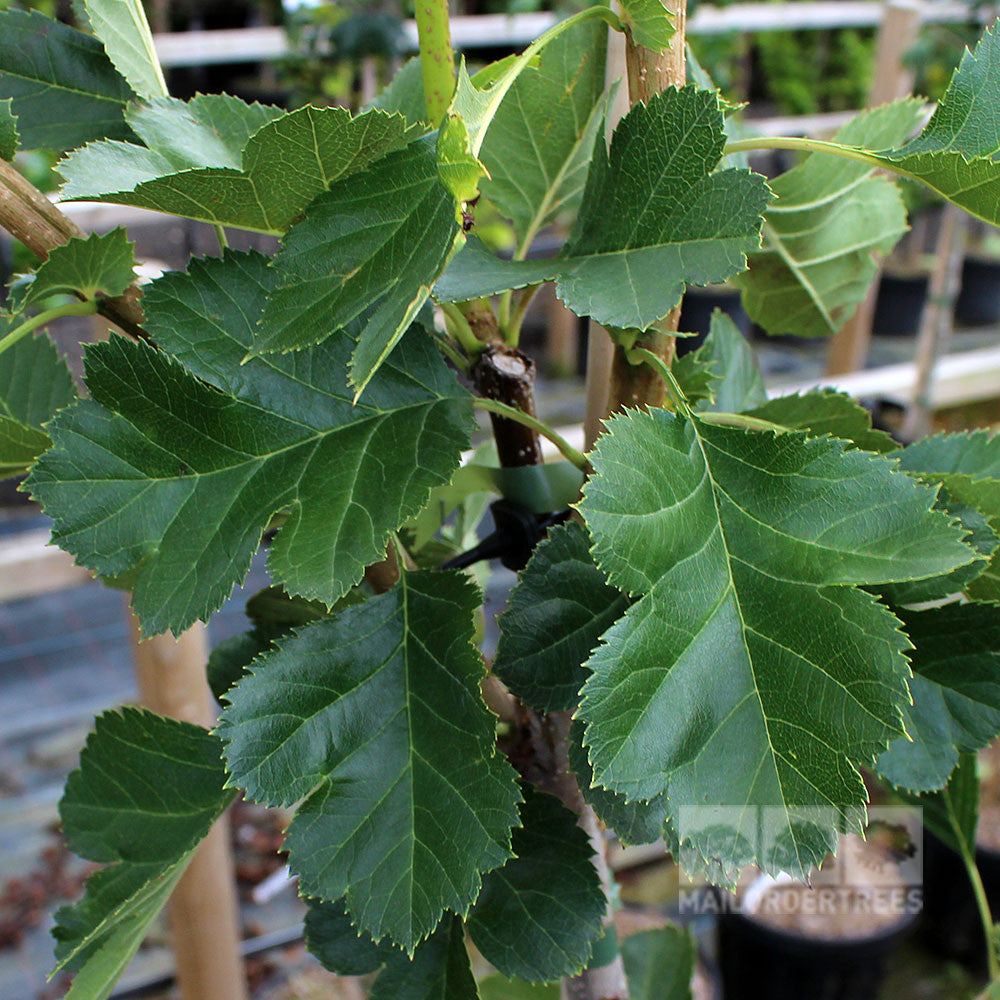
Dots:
(475, 273)
(537, 916)
(64, 88)
(751, 674)
(98, 264)
(9, 138)
(458, 168)
(438, 970)
(656, 216)
(822, 236)
(147, 792)
(122, 26)
(553, 621)
(968, 464)
(826, 411)
(696, 374)
(538, 147)
(659, 963)
(649, 22)
(404, 808)
(221, 161)
(378, 243)
(405, 94)
(953, 813)
(734, 364)
(174, 472)
(958, 152)
(956, 693)
(497, 987)
(338, 945)
(635, 822)
(34, 383)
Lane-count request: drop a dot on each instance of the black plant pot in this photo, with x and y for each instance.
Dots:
(900, 304)
(696, 314)
(759, 962)
(950, 923)
(978, 302)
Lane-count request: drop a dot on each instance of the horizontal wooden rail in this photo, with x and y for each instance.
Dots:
(243, 45)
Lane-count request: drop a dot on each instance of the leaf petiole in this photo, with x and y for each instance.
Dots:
(643, 356)
(458, 327)
(47, 316)
(742, 421)
(503, 410)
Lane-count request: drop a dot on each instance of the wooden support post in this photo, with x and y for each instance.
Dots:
(849, 346)
(562, 335)
(204, 919)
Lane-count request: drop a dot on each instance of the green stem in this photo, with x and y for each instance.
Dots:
(220, 235)
(448, 349)
(503, 410)
(512, 330)
(458, 327)
(499, 90)
(437, 60)
(72, 309)
(642, 356)
(804, 145)
(978, 890)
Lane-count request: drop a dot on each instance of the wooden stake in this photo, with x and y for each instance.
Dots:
(848, 349)
(204, 918)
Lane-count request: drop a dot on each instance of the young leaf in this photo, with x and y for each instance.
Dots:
(538, 146)
(552, 887)
(826, 411)
(553, 621)
(831, 218)
(956, 693)
(92, 265)
(969, 466)
(64, 88)
(649, 23)
(122, 26)
(740, 384)
(659, 963)
(751, 674)
(458, 167)
(251, 166)
(374, 717)
(9, 138)
(34, 383)
(377, 242)
(176, 479)
(957, 152)
(697, 375)
(147, 792)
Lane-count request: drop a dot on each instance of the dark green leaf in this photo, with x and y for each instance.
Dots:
(475, 272)
(635, 822)
(439, 970)
(751, 674)
(339, 945)
(375, 717)
(222, 161)
(97, 264)
(181, 489)
(826, 411)
(147, 792)
(956, 693)
(697, 375)
(537, 916)
(64, 88)
(555, 617)
(740, 384)
(376, 241)
(659, 964)
(9, 138)
(952, 814)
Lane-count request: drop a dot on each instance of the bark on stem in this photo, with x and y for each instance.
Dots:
(31, 218)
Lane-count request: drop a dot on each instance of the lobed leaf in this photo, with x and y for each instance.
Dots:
(554, 619)
(98, 264)
(752, 677)
(376, 242)
(537, 917)
(64, 89)
(174, 467)
(832, 218)
(375, 720)
(147, 792)
(956, 693)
